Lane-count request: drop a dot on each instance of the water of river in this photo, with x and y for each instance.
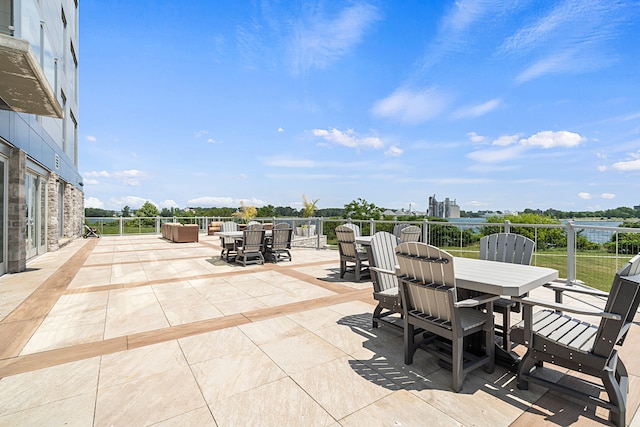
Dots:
(597, 236)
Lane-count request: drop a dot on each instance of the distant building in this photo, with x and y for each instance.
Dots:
(446, 209)
(41, 197)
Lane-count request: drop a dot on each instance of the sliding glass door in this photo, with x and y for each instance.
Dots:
(3, 214)
(36, 224)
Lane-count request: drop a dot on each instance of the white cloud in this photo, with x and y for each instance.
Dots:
(608, 196)
(631, 165)
(556, 63)
(394, 151)
(320, 41)
(96, 174)
(549, 139)
(91, 138)
(200, 133)
(222, 202)
(574, 36)
(131, 177)
(348, 138)
(168, 204)
(412, 107)
(212, 141)
(93, 202)
(514, 147)
(584, 196)
(505, 140)
(476, 204)
(477, 110)
(602, 168)
(280, 129)
(496, 155)
(133, 202)
(90, 181)
(474, 137)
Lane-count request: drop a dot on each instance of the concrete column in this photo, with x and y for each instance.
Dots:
(17, 213)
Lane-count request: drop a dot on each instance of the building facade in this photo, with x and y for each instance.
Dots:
(446, 209)
(41, 197)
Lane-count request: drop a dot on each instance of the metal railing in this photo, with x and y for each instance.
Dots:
(590, 253)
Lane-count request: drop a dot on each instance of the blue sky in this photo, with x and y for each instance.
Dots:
(498, 105)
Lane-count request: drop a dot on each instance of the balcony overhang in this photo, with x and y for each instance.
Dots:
(23, 86)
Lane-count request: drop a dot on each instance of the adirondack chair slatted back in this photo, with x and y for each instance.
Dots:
(228, 226)
(507, 247)
(410, 234)
(428, 275)
(254, 225)
(382, 248)
(397, 229)
(354, 227)
(281, 237)
(346, 241)
(624, 298)
(252, 240)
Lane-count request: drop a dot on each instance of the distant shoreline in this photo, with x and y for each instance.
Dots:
(603, 219)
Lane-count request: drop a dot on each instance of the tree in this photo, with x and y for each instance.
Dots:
(309, 207)
(625, 243)
(266, 211)
(96, 212)
(545, 238)
(286, 211)
(148, 212)
(246, 212)
(361, 209)
(126, 211)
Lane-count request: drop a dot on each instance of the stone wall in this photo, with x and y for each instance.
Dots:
(53, 242)
(76, 222)
(73, 212)
(17, 212)
(308, 242)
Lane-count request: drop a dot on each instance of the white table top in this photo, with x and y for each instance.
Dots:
(500, 278)
(236, 234)
(491, 277)
(364, 240)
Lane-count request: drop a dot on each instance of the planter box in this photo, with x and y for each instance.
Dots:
(306, 231)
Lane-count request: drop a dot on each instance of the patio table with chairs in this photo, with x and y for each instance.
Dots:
(274, 247)
(137, 331)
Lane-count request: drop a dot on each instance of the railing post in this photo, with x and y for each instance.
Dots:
(319, 231)
(157, 225)
(372, 227)
(121, 227)
(507, 226)
(571, 252)
(425, 231)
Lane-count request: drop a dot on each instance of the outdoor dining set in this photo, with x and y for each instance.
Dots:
(255, 243)
(445, 305)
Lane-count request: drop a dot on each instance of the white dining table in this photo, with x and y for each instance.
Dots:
(493, 277)
(236, 234)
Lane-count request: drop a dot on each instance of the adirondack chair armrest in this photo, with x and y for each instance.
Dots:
(382, 270)
(562, 307)
(476, 301)
(577, 288)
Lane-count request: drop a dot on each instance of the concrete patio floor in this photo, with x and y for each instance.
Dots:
(137, 331)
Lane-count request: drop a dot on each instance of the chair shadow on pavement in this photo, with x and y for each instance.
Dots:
(386, 368)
